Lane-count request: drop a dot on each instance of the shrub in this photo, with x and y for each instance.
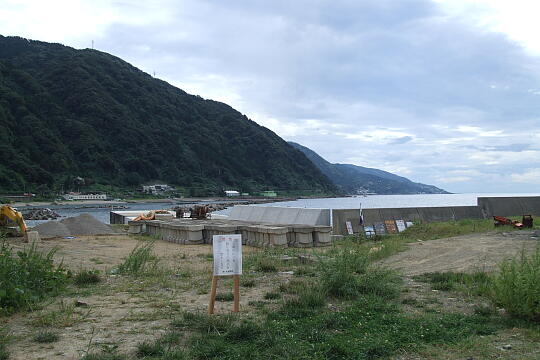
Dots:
(28, 277)
(140, 260)
(146, 349)
(4, 355)
(225, 297)
(86, 277)
(517, 286)
(349, 274)
(46, 337)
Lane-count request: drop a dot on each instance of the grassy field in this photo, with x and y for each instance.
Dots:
(330, 303)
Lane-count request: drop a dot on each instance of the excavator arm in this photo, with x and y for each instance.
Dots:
(7, 213)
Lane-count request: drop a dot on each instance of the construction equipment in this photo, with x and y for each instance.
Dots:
(9, 215)
(527, 221)
(501, 220)
(150, 215)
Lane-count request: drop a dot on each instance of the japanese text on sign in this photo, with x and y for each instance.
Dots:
(227, 254)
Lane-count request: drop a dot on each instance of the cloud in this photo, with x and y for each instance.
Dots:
(419, 87)
(530, 177)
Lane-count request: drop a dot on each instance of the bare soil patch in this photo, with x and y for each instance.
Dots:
(123, 311)
(465, 253)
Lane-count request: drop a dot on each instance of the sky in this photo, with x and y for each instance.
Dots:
(443, 92)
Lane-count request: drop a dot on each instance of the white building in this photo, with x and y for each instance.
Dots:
(78, 196)
(156, 189)
(231, 193)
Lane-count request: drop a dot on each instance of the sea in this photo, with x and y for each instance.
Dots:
(356, 202)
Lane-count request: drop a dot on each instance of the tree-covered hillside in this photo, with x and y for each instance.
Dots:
(354, 179)
(67, 113)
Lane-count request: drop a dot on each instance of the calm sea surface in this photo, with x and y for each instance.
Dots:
(365, 202)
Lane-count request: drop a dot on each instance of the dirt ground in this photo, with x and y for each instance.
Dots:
(466, 253)
(124, 311)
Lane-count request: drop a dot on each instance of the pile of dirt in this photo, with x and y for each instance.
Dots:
(84, 224)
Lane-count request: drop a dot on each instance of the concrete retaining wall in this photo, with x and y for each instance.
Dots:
(427, 214)
(509, 206)
(281, 215)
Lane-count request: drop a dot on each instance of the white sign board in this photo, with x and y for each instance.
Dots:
(349, 227)
(227, 254)
(400, 225)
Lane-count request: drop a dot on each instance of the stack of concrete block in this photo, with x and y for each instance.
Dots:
(218, 229)
(322, 235)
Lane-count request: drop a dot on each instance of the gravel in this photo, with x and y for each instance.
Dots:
(84, 224)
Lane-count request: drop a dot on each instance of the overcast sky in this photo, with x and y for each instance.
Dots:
(444, 92)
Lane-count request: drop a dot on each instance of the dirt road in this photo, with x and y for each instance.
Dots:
(462, 253)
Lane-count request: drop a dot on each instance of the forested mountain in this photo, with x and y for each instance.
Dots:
(353, 179)
(67, 113)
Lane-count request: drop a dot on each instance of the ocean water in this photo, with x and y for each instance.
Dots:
(364, 202)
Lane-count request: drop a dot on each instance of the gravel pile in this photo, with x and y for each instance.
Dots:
(84, 224)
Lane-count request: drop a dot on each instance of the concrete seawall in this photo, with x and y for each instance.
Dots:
(486, 208)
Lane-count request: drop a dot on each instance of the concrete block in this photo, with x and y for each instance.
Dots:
(303, 236)
(135, 227)
(321, 236)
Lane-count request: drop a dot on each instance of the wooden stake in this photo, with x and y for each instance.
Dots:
(236, 292)
(212, 295)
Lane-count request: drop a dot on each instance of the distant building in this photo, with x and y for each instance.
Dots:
(156, 188)
(79, 196)
(268, 193)
(231, 193)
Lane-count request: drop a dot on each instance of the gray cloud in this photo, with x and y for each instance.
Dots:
(398, 85)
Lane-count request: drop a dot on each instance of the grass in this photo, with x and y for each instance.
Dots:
(86, 277)
(140, 261)
(516, 286)
(45, 337)
(28, 277)
(225, 296)
(4, 354)
(476, 283)
(66, 315)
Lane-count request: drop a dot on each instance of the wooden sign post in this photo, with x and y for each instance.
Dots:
(227, 251)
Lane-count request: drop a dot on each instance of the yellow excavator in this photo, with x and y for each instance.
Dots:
(10, 215)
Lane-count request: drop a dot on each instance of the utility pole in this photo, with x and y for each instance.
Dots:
(92, 44)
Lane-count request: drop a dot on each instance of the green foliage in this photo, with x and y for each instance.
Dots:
(517, 286)
(45, 337)
(478, 282)
(28, 277)
(66, 113)
(86, 277)
(225, 296)
(349, 274)
(438, 230)
(141, 260)
(104, 356)
(4, 354)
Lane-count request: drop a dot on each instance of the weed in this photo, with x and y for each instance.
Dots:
(28, 277)
(266, 264)
(46, 337)
(141, 260)
(517, 286)
(66, 315)
(476, 283)
(225, 297)
(248, 282)
(4, 354)
(104, 356)
(272, 295)
(147, 349)
(86, 277)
